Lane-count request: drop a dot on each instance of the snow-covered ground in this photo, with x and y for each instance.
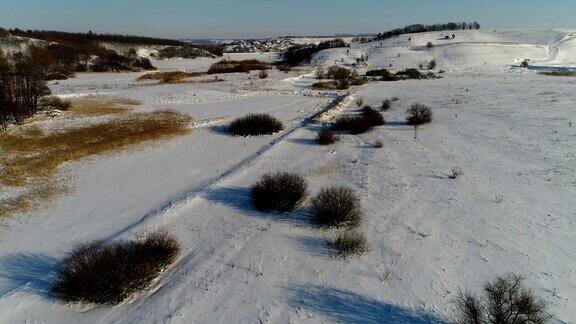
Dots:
(511, 131)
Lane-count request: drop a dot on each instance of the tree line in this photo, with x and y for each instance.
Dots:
(419, 28)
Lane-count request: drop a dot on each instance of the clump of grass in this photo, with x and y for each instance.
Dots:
(326, 137)
(419, 114)
(31, 156)
(255, 124)
(336, 206)
(378, 144)
(350, 243)
(47, 103)
(281, 192)
(102, 106)
(109, 273)
(169, 77)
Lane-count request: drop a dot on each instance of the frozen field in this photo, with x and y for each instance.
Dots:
(511, 131)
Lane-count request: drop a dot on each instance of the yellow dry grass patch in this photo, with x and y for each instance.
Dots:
(169, 77)
(100, 107)
(30, 157)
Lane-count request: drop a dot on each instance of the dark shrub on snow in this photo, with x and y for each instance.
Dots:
(109, 273)
(386, 105)
(350, 243)
(506, 301)
(353, 124)
(279, 192)
(255, 124)
(336, 206)
(419, 114)
(373, 117)
(326, 137)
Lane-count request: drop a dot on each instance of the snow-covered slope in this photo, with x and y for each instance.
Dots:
(510, 130)
(468, 51)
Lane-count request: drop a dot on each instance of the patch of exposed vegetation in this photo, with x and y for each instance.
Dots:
(109, 273)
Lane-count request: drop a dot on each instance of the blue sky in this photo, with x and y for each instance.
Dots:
(262, 18)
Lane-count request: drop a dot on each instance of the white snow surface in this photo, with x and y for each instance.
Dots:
(511, 131)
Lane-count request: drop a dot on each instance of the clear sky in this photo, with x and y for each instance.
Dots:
(263, 18)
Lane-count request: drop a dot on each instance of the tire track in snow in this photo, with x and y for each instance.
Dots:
(189, 194)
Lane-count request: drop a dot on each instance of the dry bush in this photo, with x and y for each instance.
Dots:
(100, 106)
(109, 273)
(372, 116)
(429, 45)
(47, 103)
(263, 74)
(169, 77)
(560, 73)
(255, 124)
(281, 192)
(386, 105)
(31, 156)
(411, 74)
(326, 137)
(432, 65)
(506, 301)
(336, 206)
(326, 85)
(350, 243)
(378, 144)
(419, 114)
(231, 66)
(353, 124)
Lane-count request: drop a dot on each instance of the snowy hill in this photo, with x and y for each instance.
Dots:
(510, 130)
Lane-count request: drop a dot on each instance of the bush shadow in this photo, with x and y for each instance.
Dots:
(239, 198)
(349, 307)
(33, 272)
(317, 246)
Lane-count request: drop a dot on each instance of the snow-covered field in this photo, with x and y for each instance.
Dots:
(511, 131)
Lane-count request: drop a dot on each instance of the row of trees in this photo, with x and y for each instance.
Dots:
(418, 28)
(90, 39)
(22, 84)
(299, 54)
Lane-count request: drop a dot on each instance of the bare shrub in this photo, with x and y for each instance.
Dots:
(506, 301)
(456, 172)
(279, 192)
(372, 116)
(350, 243)
(255, 124)
(336, 206)
(109, 273)
(419, 114)
(226, 66)
(342, 75)
(353, 124)
(326, 85)
(386, 105)
(326, 137)
(432, 65)
(169, 77)
(378, 144)
(263, 74)
(411, 74)
(429, 45)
